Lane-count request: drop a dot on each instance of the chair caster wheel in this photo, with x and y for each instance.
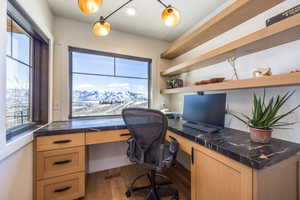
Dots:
(176, 197)
(128, 194)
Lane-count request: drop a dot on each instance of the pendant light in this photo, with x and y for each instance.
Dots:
(101, 27)
(89, 6)
(170, 16)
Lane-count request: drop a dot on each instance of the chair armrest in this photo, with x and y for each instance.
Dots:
(168, 153)
(131, 148)
(174, 146)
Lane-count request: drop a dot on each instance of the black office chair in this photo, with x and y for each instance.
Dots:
(148, 148)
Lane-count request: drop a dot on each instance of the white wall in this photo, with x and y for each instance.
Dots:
(71, 33)
(281, 59)
(16, 157)
(16, 175)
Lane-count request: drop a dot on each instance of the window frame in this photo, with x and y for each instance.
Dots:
(13, 131)
(107, 54)
(39, 64)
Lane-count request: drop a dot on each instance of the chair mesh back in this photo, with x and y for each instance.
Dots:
(148, 127)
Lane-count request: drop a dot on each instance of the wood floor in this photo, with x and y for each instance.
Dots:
(112, 184)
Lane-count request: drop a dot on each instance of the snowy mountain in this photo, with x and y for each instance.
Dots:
(107, 97)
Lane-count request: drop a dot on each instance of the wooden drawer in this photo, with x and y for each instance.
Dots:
(60, 162)
(59, 141)
(184, 144)
(106, 136)
(66, 187)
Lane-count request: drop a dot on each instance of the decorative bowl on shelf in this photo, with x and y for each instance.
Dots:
(212, 80)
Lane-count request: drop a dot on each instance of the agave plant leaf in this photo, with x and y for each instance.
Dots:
(239, 118)
(265, 115)
(276, 107)
(257, 109)
(255, 104)
(284, 124)
(264, 98)
(246, 116)
(276, 119)
(283, 100)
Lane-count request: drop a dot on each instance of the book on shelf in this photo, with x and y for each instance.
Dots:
(288, 13)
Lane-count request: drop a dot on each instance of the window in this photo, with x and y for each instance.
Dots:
(18, 76)
(103, 84)
(26, 75)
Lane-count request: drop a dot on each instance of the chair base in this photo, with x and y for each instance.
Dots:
(155, 190)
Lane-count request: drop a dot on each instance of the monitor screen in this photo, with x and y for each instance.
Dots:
(208, 109)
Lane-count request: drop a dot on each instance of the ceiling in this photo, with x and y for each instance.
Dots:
(147, 21)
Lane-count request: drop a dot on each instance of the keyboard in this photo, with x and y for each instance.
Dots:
(201, 127)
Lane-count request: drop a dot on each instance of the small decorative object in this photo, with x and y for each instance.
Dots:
(265, 117)
(177, 83)
(291, 12)
(174, 83)
(231, 61)
(259, 72)
(169, 83)
(212, 80)
(294, 71)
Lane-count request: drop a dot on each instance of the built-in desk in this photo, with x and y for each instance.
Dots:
(224, 165)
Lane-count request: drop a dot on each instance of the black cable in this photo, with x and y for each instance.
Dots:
(117, 9)
(162, 3)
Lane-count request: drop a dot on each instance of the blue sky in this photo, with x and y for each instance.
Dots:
(18, 73)
(86, 63)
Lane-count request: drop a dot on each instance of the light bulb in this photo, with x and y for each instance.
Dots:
(170, 16)
(131, 11)
(101, 28)
(89, 6)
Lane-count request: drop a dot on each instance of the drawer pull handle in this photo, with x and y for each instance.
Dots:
(62, 141)
(62, 189)
(62, 162)
(125, 134)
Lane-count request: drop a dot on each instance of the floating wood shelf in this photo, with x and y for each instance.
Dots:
(237, 13)
(268, 81)
(285, 31)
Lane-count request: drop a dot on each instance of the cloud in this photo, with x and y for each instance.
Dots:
(85, 87)
(117, 85)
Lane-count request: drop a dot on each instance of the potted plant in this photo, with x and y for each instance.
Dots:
(266, 117)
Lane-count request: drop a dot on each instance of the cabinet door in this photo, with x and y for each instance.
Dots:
(215, 177)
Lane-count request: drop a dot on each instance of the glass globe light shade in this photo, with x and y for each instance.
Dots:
(89, 6)
(170, 16)
(101, 28)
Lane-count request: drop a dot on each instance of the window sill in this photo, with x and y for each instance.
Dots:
(17, 143)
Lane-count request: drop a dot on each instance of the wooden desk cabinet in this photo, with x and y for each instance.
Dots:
(59, 170)
(217, 177)
(106, 136)
(59, 163)
(59, 167)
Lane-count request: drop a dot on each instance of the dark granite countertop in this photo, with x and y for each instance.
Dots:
(232, 143)
(81, 125)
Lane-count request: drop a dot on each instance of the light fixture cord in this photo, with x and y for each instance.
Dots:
(117, 9)
(162, 3)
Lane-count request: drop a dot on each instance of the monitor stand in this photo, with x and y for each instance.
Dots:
(201, 127)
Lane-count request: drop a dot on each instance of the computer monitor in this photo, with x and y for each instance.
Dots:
(208, 109)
